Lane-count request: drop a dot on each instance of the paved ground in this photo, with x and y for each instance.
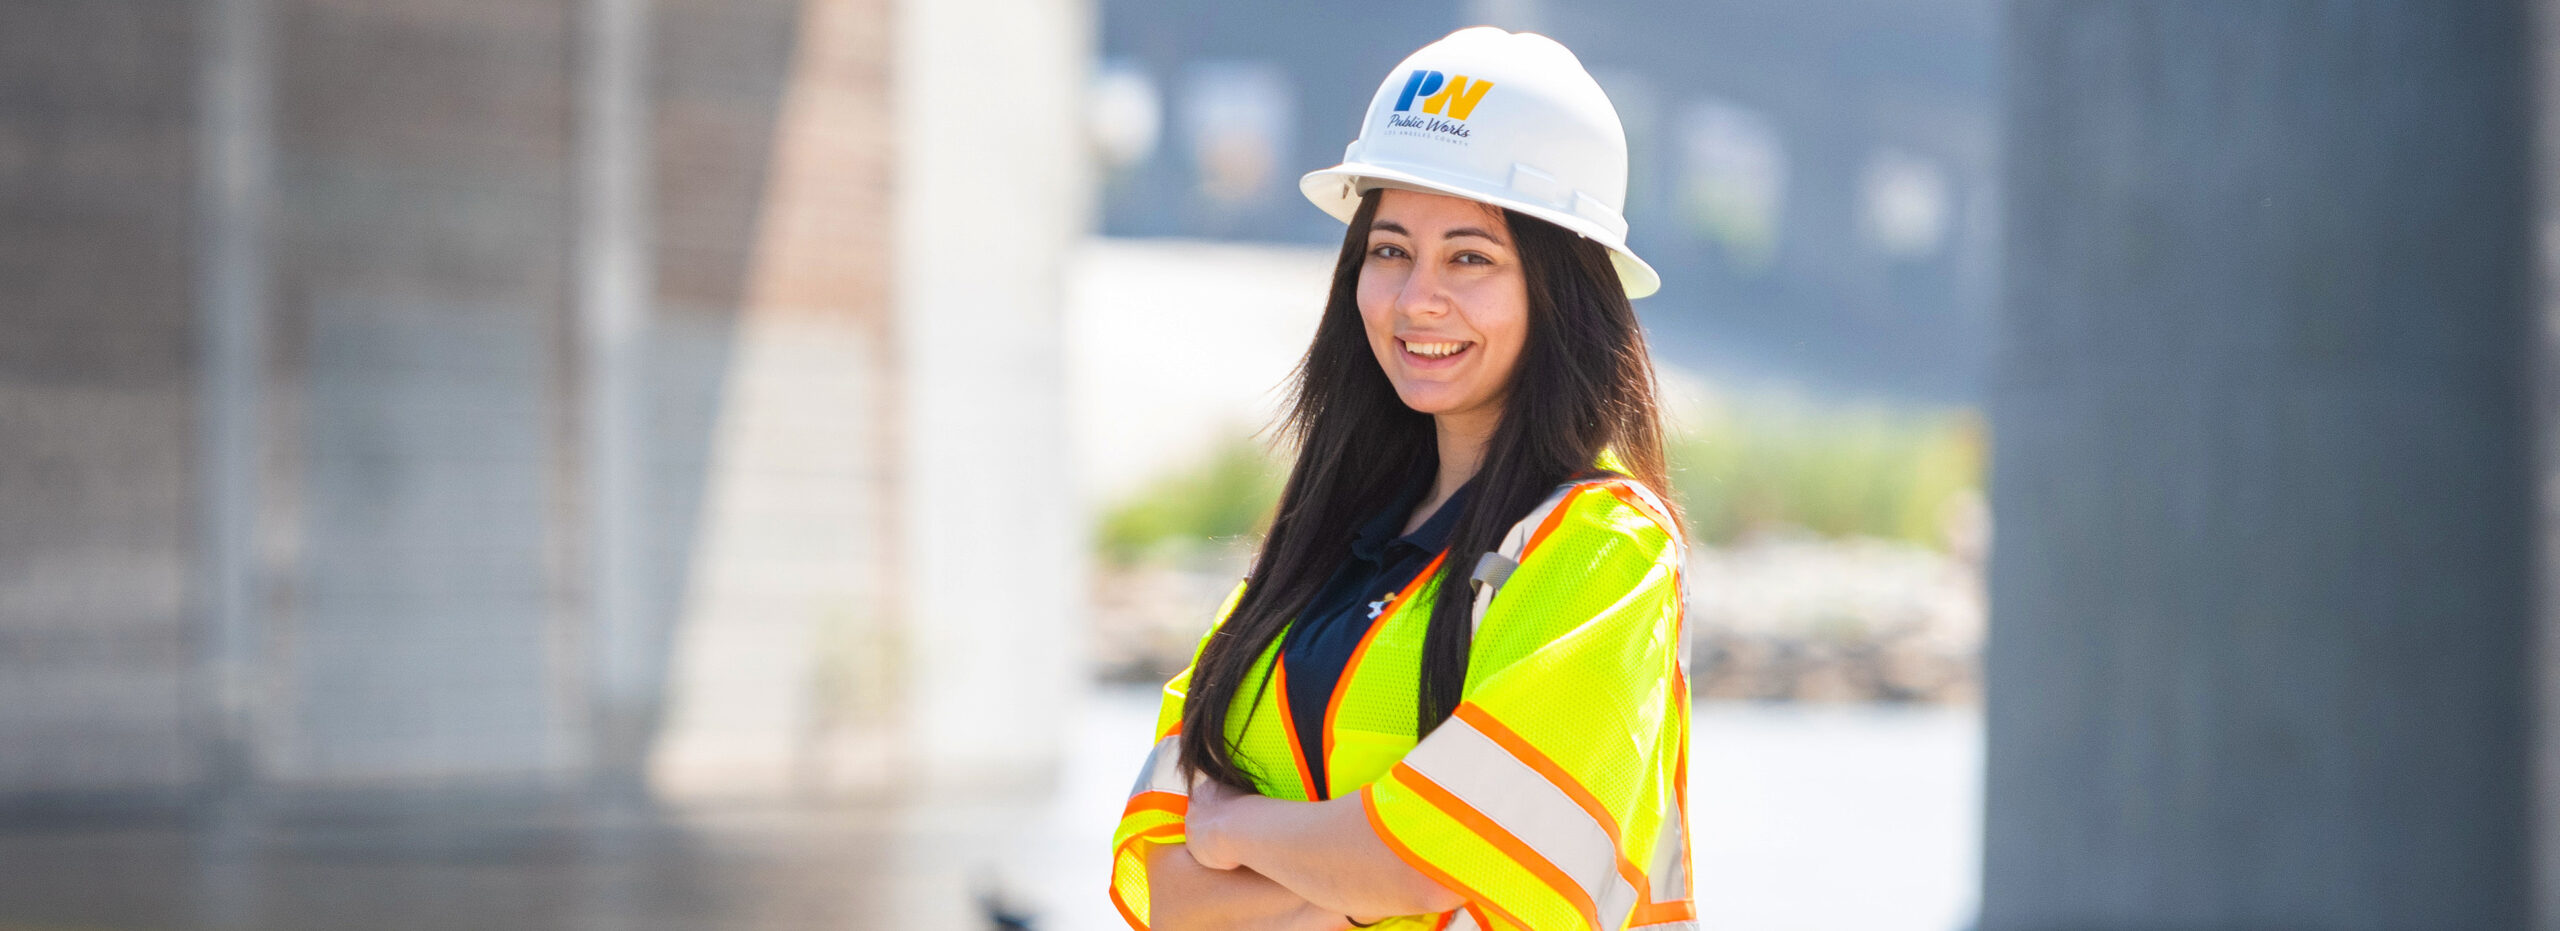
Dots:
(771, 869)
(464, 864)
(1809, 817)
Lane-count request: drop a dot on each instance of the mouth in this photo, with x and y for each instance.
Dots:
(1434, 353)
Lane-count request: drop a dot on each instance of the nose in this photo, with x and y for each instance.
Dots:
(1424, 293)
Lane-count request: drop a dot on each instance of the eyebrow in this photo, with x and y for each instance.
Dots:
(1391, 226)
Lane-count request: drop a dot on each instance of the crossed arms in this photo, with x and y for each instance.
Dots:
(1264, 863)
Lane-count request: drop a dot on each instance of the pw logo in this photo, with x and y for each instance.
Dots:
(1457, 94)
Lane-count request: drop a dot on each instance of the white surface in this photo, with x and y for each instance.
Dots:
(991, 193)
(1172, 344)
(1821, 817)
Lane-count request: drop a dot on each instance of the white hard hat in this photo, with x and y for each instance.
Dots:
(1509, 119)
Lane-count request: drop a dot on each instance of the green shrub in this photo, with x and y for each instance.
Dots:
(1224, 497)
(1835, 472)
(1830, 471)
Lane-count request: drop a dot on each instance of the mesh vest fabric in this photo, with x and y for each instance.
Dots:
(1555, 796)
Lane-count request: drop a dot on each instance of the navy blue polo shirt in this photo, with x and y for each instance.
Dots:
(1376, 566)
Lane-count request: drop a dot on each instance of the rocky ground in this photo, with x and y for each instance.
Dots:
(1778, 617)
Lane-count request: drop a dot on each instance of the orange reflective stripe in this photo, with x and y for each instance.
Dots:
(1342, 683)
(1173, 803)
(1297, 754)
(1520, 749)
(1636, 500)
(1554, 517)
(1652, 913)
(1503, 840)
(1680, 790)
(1475, 898)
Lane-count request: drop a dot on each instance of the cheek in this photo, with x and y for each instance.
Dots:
(1505, 360)
(1376, 302)
(1513, 334)
(1504, 326)
(1375, 293)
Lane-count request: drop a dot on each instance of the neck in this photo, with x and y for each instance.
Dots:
(1462, 440)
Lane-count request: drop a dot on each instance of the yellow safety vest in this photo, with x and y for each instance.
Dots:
(1557, 794)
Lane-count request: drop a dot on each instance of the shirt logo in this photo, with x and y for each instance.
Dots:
(1380, 606)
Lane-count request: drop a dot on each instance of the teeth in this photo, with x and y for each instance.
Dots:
(1434, 350)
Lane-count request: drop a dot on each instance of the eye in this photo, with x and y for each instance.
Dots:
(1474, 258)
(1386, 250)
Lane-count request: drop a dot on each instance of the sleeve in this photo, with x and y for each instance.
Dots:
(1160, 796)
(1553, 797)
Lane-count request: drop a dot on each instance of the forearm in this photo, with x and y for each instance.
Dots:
(1183, 895)
(1326, 853)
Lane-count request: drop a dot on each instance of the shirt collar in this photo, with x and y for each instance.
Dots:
(1375, 540)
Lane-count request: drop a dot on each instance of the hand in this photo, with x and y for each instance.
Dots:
(1209, 820)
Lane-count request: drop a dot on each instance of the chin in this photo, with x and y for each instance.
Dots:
(1434, 403)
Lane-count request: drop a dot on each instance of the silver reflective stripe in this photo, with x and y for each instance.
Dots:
(1463, 922)
(1616, 903)
(1669, 874)
(1491, 571)
(1684, 924)
(1489, 779)
(1163, 771)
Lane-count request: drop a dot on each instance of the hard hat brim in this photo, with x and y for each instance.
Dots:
(1337, 191)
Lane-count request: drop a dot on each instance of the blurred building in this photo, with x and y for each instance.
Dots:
(1816, 180)
(533, 395)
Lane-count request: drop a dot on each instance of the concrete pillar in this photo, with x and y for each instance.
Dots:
(771, 326)
(990, 197)
(613, 677)
(2262, 590)
(235, 161)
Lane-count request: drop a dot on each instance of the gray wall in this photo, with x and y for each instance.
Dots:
(96, 396)
(2260, 652)
(299, 380)
(420, 404)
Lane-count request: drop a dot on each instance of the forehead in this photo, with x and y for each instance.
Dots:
(1421, 213)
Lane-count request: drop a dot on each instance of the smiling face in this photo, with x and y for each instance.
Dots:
(1445, 304)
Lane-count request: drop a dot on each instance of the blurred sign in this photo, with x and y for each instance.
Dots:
(1238, 114)
(1733, 181)
(1127, 114)
(1904, 197)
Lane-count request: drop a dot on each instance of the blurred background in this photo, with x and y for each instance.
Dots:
(750, 463)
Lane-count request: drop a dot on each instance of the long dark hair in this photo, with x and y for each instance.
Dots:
(1583, 382)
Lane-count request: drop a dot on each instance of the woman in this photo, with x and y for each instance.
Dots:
(1474, 714)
